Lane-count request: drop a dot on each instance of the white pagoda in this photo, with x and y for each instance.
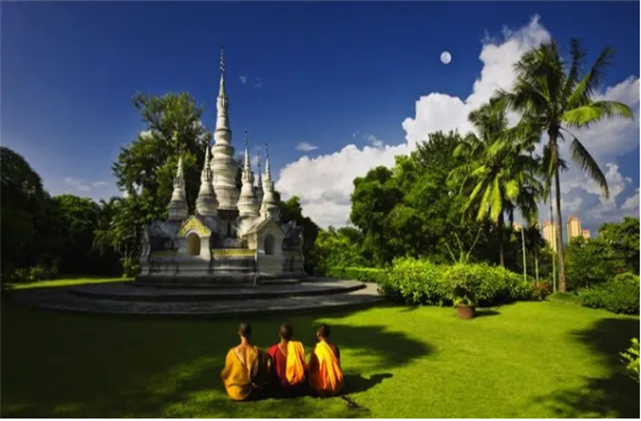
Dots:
(235, 235)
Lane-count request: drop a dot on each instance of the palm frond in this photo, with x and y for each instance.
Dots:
(584, 160)
(576, 67)
(594, 112)
(592, 79)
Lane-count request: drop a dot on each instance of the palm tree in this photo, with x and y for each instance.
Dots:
(499, 174)
(558, 101)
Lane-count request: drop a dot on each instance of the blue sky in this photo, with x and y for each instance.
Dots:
(329, 74)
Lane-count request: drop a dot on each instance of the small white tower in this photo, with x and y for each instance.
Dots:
(222, 163)
(247, 203)
(269, 207)
(178, 205)
(258, 188)
(206, 203)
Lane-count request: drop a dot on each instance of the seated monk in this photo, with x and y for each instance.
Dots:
(325, 373)
(245, 371)
(288, 363)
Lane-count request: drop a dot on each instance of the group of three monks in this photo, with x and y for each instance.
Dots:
(251, 373)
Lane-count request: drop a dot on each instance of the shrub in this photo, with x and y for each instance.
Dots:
(541, 291)
(130, 267)
(631, 356)
(34, 274)
(621, 295)
(415, 281)
(418, 282)
(359, 273)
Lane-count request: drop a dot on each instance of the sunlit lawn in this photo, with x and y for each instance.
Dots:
(550, 359)
(64, 282)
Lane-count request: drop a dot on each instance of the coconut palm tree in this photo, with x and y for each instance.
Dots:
(559, 101)
(499, 174)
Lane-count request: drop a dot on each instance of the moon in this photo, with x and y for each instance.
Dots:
(446, 57)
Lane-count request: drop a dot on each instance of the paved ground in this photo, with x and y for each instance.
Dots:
(125, 298)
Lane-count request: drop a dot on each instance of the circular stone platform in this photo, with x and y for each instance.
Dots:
(133, 298)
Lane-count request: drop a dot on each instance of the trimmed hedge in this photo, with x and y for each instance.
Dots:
(413, 281)
(621, 295)
(360, 274)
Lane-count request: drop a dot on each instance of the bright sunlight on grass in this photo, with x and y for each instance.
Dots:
(68, 282)
(523, 360)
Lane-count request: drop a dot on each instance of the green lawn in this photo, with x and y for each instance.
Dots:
(549, 359)
(68, 282)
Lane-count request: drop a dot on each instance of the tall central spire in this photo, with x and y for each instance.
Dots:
(222, 120)
(222, 71)
(223, 164)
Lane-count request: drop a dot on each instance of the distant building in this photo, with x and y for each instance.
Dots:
(586, 234)
(549, 233)
(574, 227)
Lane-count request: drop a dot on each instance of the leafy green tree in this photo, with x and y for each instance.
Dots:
(147, 166)
(623, 237)
(22, 201)
(498, 175)
(556, 101)
(338, 248)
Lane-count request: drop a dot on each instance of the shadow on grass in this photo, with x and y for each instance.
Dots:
(68, 365)
(486, 312)
(614, 395)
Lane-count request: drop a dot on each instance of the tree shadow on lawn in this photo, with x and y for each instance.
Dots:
(99, 366)
(616, 394)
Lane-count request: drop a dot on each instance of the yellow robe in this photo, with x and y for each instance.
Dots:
(325, 375)
(244, 373)
(295, 369)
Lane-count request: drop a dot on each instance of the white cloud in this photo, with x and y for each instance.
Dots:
(306, 147)
(243, 79)
(311, 179)
(258, 83)
(76, 185)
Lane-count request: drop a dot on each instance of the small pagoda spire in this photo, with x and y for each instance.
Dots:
(206, 203)
(248, 205)
(178, 205)
(269, 206)
(247, 167)
(259, 183)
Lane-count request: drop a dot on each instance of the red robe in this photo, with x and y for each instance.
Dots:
(279, 371)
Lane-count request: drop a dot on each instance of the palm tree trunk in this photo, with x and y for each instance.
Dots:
(524, 259)
(536, 265)
(501, 253)
(559, 227)
(553, 245)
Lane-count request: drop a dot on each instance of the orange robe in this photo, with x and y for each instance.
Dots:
(325, 373)
(245, 372)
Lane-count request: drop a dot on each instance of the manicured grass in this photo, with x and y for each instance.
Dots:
(524, 360)
(67, 282)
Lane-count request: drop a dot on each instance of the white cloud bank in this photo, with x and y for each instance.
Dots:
(324, 183)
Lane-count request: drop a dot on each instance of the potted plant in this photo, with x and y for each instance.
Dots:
(465, 307)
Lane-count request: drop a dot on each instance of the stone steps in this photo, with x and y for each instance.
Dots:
(320, 295)
(127, 291)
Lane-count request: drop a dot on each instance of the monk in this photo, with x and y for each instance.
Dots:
(325, 373)
(245, 371)
(288, 368)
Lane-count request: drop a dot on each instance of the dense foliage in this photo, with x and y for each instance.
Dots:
(416, 281)
(620, 295)
(631, 357)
